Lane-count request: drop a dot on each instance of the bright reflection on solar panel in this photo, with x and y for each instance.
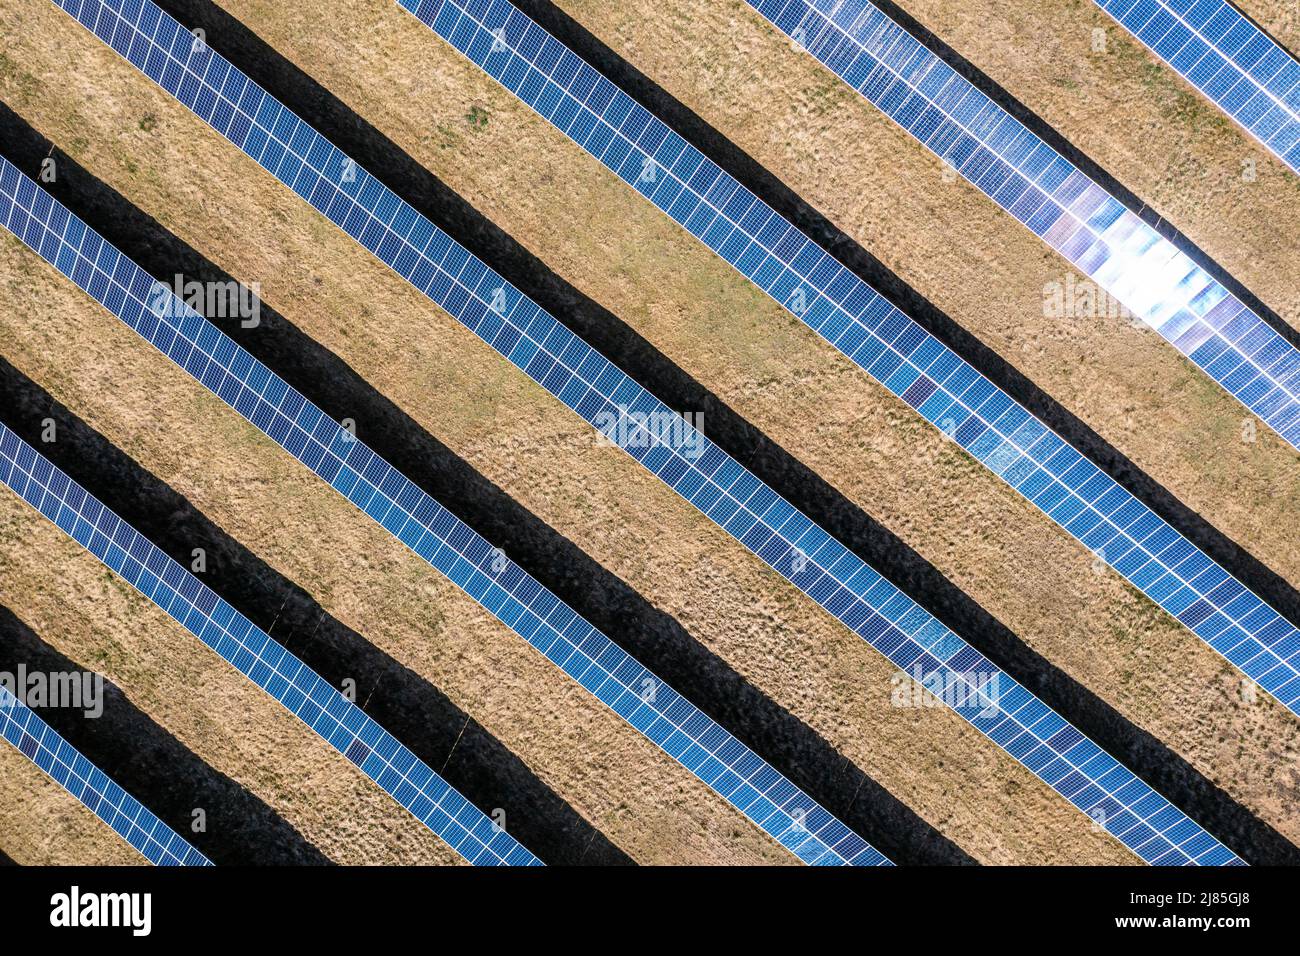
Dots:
(1047, 193)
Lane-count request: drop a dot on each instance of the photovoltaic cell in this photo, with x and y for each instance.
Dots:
(598, 391)
(1231, 61)
(1054, 199)
(41, 744)
(893, 349)
(682, 730)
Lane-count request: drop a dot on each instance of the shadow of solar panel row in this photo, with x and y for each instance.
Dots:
(896, 351)
(1054, 199)
(735, 499)
(63, 763)
(257, 656)
(652, 707)
(1231, 61)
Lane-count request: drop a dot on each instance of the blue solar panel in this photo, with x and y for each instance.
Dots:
(1231, 61)
(893, 349)
(256, 655)
(1054, 199)
(598, 391)
(652, 707)
(131, 820)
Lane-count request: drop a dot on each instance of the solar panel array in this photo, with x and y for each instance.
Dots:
(682, 730)
(1054, 199)
(1229, 59)
(719, 486)
(881, 339)
(63, 763)
(256, 655)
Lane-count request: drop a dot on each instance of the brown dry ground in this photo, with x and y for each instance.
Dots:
(199, 187)
(541, 189)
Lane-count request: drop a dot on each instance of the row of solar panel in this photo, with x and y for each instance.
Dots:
(896, 351)
(1229, 59)
(1054, 199)
(651, 706)
(718, 485)
(42, 745)
(256, 655)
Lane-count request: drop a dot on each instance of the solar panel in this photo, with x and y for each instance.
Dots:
(551, 355)
(256, 655)
(1234, 63)
(651, 706)
(63, 763)
(1054, 199)
(885, 342)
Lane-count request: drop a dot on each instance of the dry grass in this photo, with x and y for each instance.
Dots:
(621, 252)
